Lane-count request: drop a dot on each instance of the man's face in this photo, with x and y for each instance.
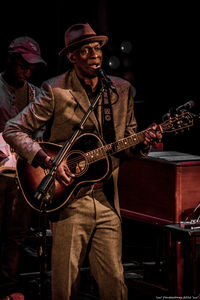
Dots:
(20, 70)
(87, 59)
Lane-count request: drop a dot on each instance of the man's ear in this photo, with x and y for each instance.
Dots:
(71, 58)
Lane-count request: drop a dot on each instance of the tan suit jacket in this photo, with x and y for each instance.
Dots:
(62, 104)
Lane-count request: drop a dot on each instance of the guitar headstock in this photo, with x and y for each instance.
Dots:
(178, 123)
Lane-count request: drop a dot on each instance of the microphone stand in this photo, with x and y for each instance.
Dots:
(46, 189)
(43, 255)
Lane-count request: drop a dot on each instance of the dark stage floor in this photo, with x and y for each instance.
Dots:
(134, 276)
(143, 267)
(144, 260)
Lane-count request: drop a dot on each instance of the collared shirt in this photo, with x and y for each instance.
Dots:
(98, 108)
(12, 100)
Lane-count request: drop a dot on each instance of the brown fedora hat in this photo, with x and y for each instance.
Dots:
(80, 34)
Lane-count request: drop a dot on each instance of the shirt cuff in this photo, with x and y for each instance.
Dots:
(39, 159)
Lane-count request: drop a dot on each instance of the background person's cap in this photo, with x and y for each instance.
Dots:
(28, 48)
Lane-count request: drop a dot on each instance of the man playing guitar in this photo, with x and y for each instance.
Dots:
(90, 221)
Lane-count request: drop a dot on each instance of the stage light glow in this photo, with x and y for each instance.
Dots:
(126, 47)
(114, 62)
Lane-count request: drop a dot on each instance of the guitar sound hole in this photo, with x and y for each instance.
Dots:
(77, 163)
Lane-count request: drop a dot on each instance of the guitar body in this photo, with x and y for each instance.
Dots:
(29, 177)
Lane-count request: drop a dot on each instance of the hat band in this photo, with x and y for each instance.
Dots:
(83, 37)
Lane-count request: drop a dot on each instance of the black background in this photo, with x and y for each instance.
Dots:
(164, 57)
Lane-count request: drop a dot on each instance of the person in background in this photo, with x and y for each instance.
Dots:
(89, 222)
(16, 92)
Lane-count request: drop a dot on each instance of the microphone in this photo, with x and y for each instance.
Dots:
(101, 74)
(186, 106)
(172, 111)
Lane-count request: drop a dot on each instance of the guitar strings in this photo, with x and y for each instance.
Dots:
(74, 161)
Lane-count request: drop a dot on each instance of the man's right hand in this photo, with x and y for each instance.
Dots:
(64, 175)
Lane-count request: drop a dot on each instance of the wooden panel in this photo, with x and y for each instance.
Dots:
(159, 191)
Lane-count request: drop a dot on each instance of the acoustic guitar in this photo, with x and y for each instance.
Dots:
(88, 159)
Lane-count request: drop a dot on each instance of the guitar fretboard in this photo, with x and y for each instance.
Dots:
(125, 143)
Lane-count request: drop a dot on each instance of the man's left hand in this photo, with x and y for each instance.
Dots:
(153, 135)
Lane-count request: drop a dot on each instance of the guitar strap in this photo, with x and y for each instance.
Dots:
(108, 130)
(107, 119)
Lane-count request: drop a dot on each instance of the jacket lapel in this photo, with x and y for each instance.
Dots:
(81, 97)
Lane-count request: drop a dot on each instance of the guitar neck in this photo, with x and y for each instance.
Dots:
(175, 124)
(110, 149)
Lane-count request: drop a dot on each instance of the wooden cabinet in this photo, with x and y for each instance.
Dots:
(162, 188)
